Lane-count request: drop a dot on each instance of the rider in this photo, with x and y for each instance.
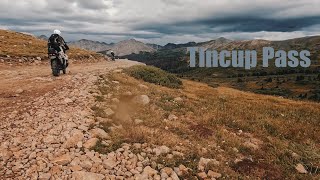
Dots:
(112, 55)
(57, 42)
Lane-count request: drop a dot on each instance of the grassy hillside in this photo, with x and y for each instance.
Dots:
(250, 136)
(297, 83)
(18, 45)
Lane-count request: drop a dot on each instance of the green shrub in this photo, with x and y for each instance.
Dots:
(154, 75)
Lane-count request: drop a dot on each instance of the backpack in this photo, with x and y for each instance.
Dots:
(53, 42)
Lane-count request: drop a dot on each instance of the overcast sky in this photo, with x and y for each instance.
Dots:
(163, 21)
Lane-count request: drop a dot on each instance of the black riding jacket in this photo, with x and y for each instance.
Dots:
(56, 41)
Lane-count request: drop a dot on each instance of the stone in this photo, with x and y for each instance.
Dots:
(49, 139)
(75, 162)
(86, 164)
(161, 150)
(300, 168)
(128, 93)
(178, 99)
(67, 101)
(44, 176)
(141, 100)
(83, 128)
(99, 133)
(73, 141)
(149, 171)
(19, 91)
(55, 170)
(295, 155)
(110, 163)
(76, 168)
(172, 117)
(91, 143)
(109, 112)
(115, 100)
(183, 168)
(202, 175)
(38, 58)
(214, 174)
(79, 144)
(174, 176)
(138, 121)
(167, 170)
(176, 153)
(142, 86)
(235, 150)
(118, 71)
(164, 175)
(81, 175)
(204, 162)
(63, 160)
(157, 177)
(33, 155)
(251, 145)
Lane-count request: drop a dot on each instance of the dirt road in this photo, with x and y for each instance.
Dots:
(22, 83)
(45, 122)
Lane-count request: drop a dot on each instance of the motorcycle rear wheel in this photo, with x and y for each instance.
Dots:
(55, 68)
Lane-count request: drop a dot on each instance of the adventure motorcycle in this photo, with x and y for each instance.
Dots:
(112, 56)
(58, 61)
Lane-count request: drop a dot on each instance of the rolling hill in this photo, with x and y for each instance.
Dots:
(23, 47)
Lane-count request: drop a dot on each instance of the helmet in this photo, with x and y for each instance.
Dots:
(57, 32)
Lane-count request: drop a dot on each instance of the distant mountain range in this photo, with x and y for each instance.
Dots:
(121, 48)
(43, 37)
(132, 46)
(91, 45)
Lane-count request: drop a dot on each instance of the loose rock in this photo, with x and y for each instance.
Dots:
(91, 143)
(300, 168)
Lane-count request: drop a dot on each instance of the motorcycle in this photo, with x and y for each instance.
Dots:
(112, 56)
(58, 62)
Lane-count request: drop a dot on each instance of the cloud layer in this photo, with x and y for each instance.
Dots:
(162, 21)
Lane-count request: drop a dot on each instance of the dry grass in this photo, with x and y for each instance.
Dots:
(21, 45)
(219, 123)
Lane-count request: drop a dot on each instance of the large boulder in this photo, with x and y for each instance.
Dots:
(141, 100)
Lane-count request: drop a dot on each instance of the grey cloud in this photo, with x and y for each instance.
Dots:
(93, 4)
(159, 20)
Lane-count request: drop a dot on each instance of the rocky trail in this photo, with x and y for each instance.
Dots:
(47, 127)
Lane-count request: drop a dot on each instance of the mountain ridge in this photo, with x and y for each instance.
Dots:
(121, 48)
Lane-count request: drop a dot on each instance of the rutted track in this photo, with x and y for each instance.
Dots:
(41, 114)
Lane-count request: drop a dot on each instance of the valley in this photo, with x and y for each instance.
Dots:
(296, 83)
